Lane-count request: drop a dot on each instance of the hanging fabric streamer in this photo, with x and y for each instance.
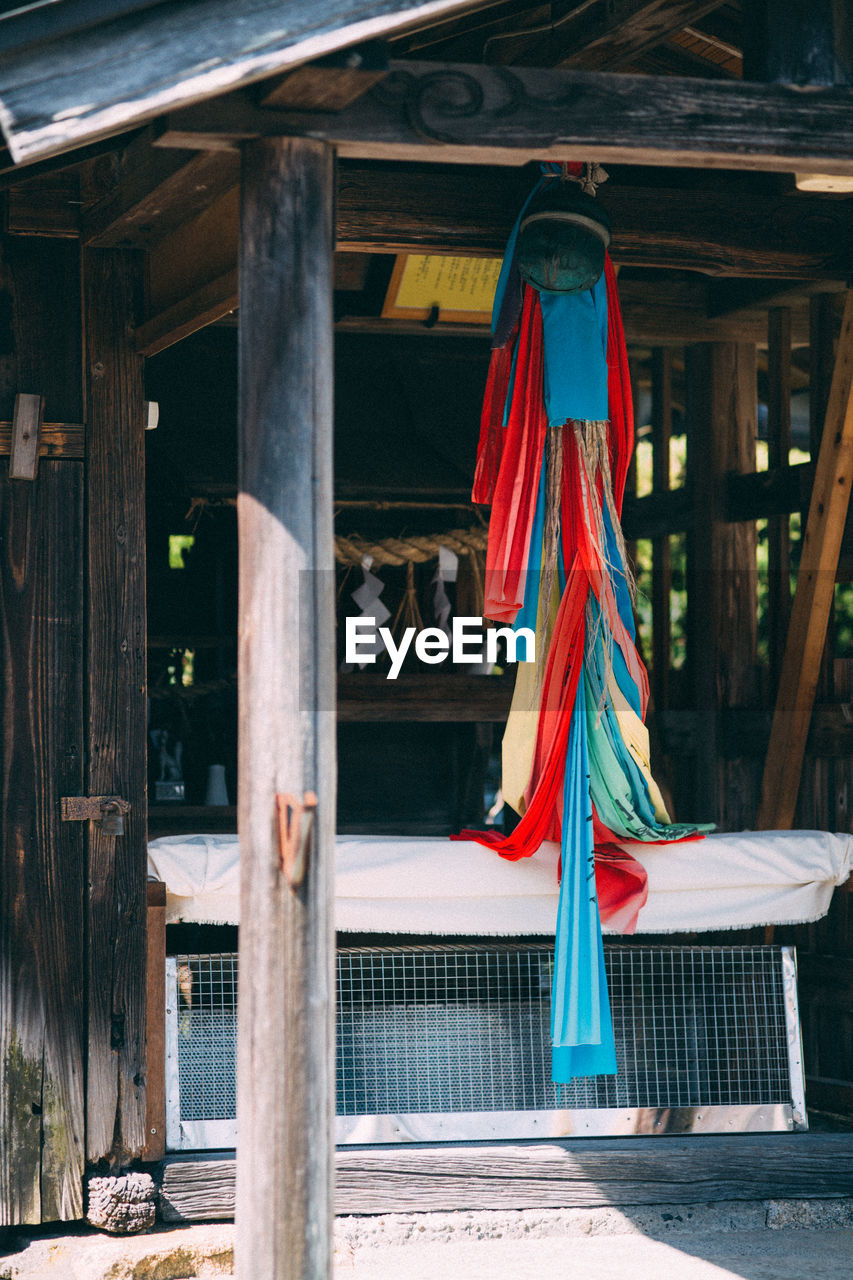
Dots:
(556, 437)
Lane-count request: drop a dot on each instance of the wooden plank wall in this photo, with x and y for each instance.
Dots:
(42, 860)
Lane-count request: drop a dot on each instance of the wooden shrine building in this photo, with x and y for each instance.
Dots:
(179, 172)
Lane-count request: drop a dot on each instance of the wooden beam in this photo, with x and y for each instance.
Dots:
(286, 1058)
(729, 296)
(156, 192)
(494, 115)
(776, 492)
(364, 696)
(56, 440)
(662, 316)
(67, 91)
(117, 758)
(470, 211)
(331, 83)
(46, 205)
(814, 594)
(198, 309)
(416, 1177)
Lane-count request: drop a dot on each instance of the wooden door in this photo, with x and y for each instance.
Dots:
(72, 699)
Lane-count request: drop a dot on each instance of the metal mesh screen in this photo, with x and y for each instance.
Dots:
(207, 1036)
(466, 1029)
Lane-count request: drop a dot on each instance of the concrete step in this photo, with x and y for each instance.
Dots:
(769, 1240)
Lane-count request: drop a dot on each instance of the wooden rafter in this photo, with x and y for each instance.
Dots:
(614, 33)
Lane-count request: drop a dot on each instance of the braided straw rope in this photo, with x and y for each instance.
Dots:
(416, 549)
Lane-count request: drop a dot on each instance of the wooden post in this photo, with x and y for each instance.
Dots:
(814, 594)
(721, 414)
(287, 697)
(116, 701)
(155, 1025)
(779, 446)
(661, 558)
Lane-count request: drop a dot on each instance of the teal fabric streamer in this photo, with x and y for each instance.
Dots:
(581, 1025)
(575, 332)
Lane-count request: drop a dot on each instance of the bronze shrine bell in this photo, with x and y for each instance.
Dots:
(562, 239)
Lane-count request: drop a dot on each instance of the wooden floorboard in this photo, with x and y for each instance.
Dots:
(552, 1175)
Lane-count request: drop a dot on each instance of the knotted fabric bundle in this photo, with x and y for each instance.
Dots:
(556, 437)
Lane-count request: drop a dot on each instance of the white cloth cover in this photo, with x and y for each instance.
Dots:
(401, 884)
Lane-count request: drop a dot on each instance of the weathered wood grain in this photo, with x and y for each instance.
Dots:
(63, 92)
(286, 663)
(661, 558)
(469, 210)
(609, 38)
(56, 440)
(42, 1114)
(722, 578)
(201, 307)
(554, 1175)
(42, 279)
(42, 860)
(155, 192)
(26, 430)
(779, 447)
(365, 696)
(155, 1025)
(553, 115)
(814, 594)
(664, 317)
(116, 700)
(46, 205)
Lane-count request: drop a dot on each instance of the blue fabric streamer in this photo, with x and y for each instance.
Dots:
(581, 1025)
(574, 328)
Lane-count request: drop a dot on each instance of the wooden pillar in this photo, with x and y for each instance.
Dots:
(821, 367)
(779, 446)
(814, 594)
(287, 711)
(661, 558)
(116, 704)
(722, 613)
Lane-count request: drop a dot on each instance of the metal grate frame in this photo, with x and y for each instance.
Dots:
(452, 1041)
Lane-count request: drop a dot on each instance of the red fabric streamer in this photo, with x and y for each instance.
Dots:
(490, 446)
(517, 483)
